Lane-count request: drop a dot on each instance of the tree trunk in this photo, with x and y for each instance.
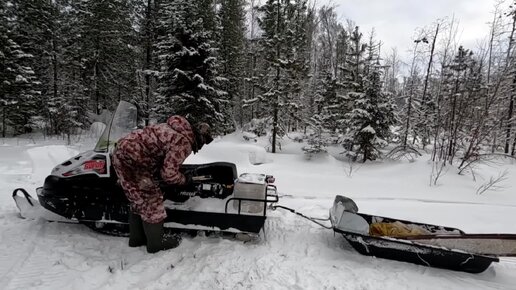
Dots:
(409, 102)
(452, 128)
(407, 121)
(55, 78)
(440, 118)
(253, 72)
(489, 65)
(513, 152)
(276, 101)
(357, 59)
(96, 89)
(428, 69)
(253, 59)
(490, 58)
(148, 60)
(513, 89)
(4, 119)
(426, 135)
(437, 128)
(509, 120)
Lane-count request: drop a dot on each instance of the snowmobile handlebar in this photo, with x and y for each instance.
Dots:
(202, 178)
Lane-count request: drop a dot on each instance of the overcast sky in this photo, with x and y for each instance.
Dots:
(395, 21)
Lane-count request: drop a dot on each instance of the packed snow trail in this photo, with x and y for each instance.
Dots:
(292, 254)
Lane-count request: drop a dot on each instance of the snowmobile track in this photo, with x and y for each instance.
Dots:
(13, 260)
(24, 265)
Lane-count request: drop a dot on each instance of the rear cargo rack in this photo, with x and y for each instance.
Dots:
(269, 198)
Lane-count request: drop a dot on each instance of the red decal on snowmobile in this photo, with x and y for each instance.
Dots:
(99, 165)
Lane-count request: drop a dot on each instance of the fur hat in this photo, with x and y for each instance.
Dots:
(202, 132)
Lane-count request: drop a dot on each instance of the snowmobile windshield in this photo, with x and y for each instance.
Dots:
(123, 122)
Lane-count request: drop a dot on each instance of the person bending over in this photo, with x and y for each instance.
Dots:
(142, 155)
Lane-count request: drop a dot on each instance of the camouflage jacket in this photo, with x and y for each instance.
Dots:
(160, 148)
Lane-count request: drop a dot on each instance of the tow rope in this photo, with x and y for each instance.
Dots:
(312, 219)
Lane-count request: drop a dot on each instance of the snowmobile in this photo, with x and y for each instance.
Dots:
(418, 243)
(84, 189)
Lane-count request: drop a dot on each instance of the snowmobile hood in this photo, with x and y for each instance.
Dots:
(182, 126)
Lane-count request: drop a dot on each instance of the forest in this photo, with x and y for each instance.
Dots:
(268, 67)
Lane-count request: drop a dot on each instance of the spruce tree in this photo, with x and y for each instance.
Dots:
(371, 112)
(369, 120)
(296, 63)
(107, 49)
(318, 139)
(31, 32)
(7, 46)
(341, 53)
(147, 72)
(10, 68)
(189, 83)
(355, 63)
(73, 93)
(329, 102)
(283, 23)
(232, 40)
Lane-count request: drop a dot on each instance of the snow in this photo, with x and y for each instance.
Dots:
(290, 253)
(249, 136)
(21, 79)
(368, 129)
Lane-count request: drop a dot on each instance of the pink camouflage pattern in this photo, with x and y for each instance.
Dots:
(143, 155)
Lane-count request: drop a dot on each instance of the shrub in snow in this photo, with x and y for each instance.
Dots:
(258, 126)
(297, 137)
(248, 136)
(38, 122)
(318, 139)
(9, 130)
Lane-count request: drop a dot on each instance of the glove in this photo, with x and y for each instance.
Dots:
(146, 184)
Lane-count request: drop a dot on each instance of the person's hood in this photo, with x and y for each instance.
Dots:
(181, 126)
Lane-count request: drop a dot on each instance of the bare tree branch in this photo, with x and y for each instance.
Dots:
(494, 183)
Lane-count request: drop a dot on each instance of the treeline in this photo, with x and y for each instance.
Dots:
(272, 66)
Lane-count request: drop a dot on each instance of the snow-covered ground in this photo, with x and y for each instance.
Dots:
(292, 253)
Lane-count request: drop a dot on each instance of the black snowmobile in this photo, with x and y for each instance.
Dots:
(84, 189)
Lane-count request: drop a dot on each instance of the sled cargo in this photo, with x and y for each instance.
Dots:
(422, 244)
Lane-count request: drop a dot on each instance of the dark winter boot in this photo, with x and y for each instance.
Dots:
(156, 241)
(136, 233)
